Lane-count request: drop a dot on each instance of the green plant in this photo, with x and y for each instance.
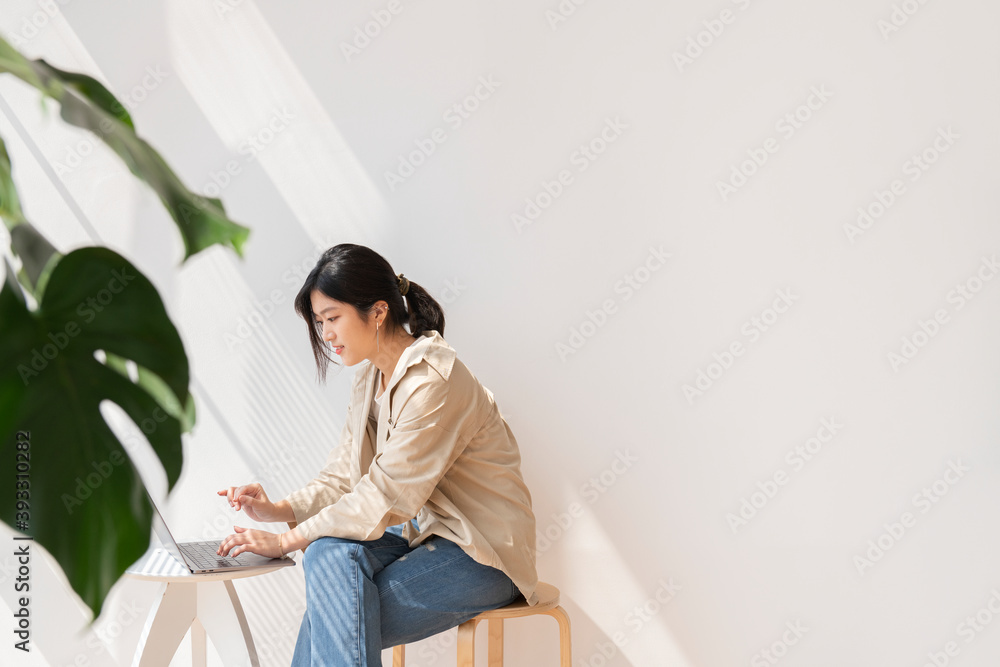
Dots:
(80, 496)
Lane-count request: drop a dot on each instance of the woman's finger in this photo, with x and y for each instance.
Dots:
(237, 495)
(228, 546)
(236, 540)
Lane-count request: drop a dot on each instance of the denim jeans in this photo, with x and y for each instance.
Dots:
(362, 597)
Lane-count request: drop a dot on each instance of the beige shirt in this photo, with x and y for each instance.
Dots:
(440, 452)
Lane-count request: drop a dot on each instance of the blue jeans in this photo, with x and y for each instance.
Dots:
(362, 597)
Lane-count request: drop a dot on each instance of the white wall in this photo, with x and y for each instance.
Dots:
(633, 481)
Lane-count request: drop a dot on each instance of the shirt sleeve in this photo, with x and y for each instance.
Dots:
(420, 448)
(333, 481)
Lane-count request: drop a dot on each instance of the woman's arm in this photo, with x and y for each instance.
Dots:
(292, 540)
(283, 512)
(419, 450)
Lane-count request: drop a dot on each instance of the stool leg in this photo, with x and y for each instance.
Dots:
(467, 643)
(496, 642)
(565, 644)
(399, 655)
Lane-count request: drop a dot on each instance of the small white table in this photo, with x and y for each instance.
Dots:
(203, 603)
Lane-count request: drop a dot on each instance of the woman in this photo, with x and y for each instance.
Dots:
(420, 518)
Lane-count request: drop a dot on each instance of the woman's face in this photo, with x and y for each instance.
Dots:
(342, 327)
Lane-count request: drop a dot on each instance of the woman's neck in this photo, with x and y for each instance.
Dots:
(389, 357)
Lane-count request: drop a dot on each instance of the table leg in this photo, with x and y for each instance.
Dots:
(168, 621)
(199, 647)
(209, 608)
(220, 611)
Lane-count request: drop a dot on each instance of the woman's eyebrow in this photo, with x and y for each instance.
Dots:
(315, 315)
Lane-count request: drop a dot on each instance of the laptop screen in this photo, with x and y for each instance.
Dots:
(163, 533)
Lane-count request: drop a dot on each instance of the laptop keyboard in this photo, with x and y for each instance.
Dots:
(203, 554)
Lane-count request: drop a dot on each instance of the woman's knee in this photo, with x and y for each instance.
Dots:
(326, 551)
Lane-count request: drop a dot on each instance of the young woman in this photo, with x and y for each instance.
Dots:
(420, 518)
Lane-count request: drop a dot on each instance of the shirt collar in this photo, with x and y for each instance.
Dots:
(430, 346)
(433, 348)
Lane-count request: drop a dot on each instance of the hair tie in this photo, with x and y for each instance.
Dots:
(404, 284)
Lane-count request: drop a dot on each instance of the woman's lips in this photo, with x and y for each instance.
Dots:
(338, 349)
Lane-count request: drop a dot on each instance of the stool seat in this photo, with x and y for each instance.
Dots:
(548, 598)
(548, 603)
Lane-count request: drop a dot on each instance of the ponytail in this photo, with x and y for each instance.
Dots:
(425, 312)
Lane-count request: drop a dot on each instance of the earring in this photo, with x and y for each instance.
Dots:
(376, 336)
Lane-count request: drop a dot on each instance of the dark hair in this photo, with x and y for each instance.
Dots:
(359, 276)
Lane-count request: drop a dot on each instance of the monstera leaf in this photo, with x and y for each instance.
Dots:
(10, 204)
(98, 324)
(84, 500)
(86, 103)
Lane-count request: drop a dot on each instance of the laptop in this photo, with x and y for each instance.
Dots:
(200, 557)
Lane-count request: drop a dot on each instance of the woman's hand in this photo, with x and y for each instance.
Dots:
(252, 499)
(248, 539)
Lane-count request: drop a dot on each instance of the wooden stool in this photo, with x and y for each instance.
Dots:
(548, 603)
